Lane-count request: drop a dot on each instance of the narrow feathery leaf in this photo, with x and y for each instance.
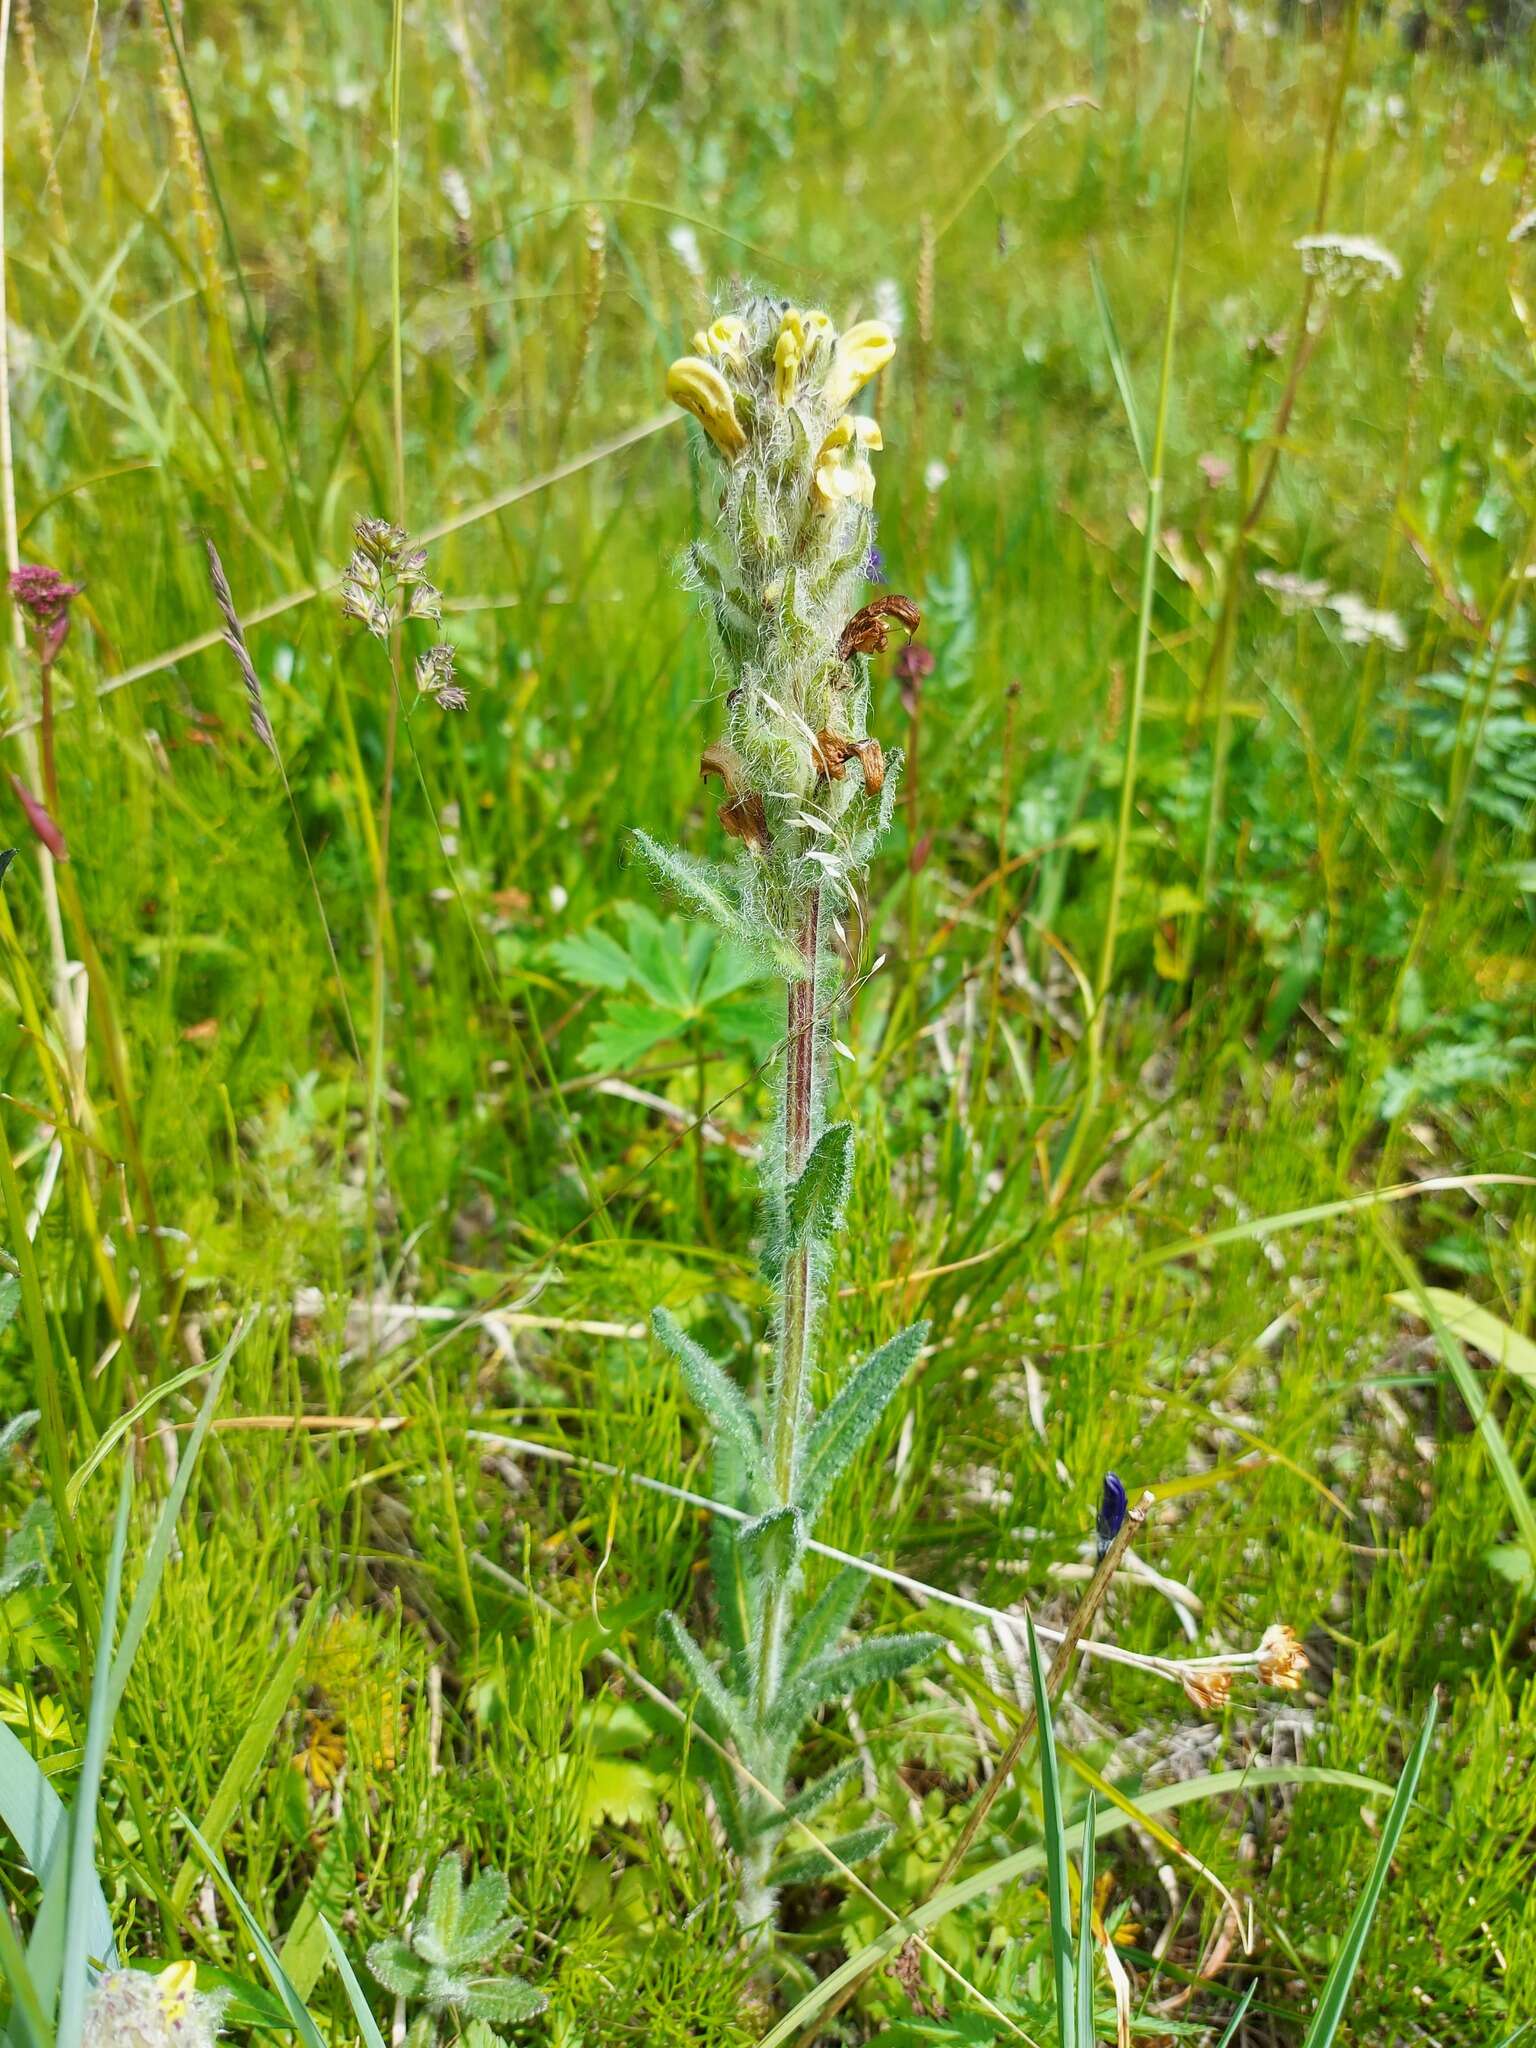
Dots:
(817, 1630)
(848, 1849)
(843, 1427)
(726, 1711)
(718, 1395)
(848, 1671)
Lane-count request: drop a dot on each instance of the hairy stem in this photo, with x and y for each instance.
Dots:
(797, 1308)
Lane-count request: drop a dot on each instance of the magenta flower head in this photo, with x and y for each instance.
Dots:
(45, 597)
(914, 662)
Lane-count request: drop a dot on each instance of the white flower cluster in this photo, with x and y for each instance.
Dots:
(1359, 623)
(1343, 264)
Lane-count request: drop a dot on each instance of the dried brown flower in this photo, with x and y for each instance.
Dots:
(1282, 1660)
(866, 632)
(1209, 1690)
(833, 751)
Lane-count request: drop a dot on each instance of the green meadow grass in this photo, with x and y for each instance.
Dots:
(1321, 983)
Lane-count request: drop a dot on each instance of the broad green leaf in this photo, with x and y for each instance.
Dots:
(840, 1431)
(628, 1030)
(38, 1819)
(503, 2001)
(1330, 2007)
(815, 1201)
(770, 1547)
(594, 959)
(1476, 1326)
(398, 1967)
(717, 1394)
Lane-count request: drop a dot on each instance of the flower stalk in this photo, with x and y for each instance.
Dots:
(807, 795)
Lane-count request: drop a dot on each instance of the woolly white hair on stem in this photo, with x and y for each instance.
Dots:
(807, 796)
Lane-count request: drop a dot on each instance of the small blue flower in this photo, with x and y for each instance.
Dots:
(874, 567)
(1112, 1505)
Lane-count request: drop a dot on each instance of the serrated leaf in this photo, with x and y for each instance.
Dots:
(848, 1671)
(484, 1923)
(719, 1396)
(617, 1789)
(726, 1711)
(817, 1630)
(809, 1799)
(593, 959)
(842, 1428)
(398, 1967)
(770, 1547)
(435, 1935)
(628, 1030)
(850, 1849)
(503, 2001)
(814, 1204)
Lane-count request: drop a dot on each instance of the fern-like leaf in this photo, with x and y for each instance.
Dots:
(717, 1394)
(842, 1428)
(817, 1630)
(725, 1710)
(848, 1849)
(847, 1671)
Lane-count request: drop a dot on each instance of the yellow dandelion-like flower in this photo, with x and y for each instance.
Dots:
(699, 388)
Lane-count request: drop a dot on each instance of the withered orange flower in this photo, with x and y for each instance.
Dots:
(866, 631)
(833, 751)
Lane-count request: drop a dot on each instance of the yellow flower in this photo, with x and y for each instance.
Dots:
(177, 1984)
(786, 364)
(843, 473)
(699, 388)
(862, 353)
(722, 337)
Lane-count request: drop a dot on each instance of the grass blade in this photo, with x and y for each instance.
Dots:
(367, 2025)
(1330, 2010)
(1025, 1862)
(82, 1830)
(1057, 1887)
(1118, 363)
(303, 2025)
(1085, 1949)
(1237, 2018)
(165, 1528)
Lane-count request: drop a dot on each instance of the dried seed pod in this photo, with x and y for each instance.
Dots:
(745, 818)
(866, 631)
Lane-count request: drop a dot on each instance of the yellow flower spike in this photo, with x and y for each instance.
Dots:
(786, 365)
(699, 388)
(176, 1986)
(814, 327)
(862, 353)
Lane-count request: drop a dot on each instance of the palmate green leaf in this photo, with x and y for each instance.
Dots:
(503, 2001)
(717, 1394)
(398, 1967)
(628, 1030)
(848, 1671)
(840, 1431)
(817, 1630)
(593, 959)
(1330, 2007)
(850, 1849)
(814, 1203)
(1057, 1888)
